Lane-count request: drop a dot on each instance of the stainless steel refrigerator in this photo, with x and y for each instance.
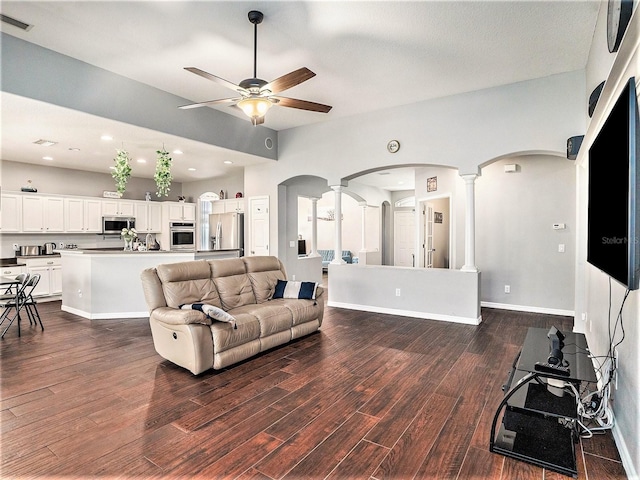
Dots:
(227, 231)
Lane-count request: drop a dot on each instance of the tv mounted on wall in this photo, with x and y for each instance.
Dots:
(613, 238)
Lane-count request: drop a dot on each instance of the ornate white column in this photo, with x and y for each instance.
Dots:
(314, 227)
(364, 225)
(469, 225)
(337, 250)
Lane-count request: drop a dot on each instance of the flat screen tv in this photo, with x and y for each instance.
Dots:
(613, 238)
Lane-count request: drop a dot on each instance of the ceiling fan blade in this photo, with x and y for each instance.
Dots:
(210, 102)
(302, 104)
(289, 80)
(213, 78)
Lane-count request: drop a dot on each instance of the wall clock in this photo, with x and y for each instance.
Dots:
(618, 16)
(393, 146)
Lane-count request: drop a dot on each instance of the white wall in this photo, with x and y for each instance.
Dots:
(515, 242)
(592, 286)
(66, 181)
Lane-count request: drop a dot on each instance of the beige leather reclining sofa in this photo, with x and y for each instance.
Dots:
(243, 287)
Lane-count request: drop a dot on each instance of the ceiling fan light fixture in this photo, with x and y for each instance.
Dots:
(255, 107)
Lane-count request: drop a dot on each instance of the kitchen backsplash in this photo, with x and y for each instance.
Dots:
(81, 240)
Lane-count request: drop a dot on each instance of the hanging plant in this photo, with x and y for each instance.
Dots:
(122, 171)
(163, 173)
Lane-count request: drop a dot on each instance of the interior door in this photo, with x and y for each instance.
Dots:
(428, 236)
(404, 235)
(258, 226)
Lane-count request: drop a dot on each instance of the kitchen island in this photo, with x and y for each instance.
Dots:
(105, 283)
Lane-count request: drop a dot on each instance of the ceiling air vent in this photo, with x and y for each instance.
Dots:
(16, 23)
(45, 143)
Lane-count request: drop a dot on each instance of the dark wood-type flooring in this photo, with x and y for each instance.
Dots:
(369, 396)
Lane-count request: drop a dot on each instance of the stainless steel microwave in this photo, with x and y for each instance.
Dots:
(114, 225)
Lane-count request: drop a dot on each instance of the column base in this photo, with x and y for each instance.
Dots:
(469, 268)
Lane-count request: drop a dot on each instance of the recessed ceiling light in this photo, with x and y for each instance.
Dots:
(141, 160)
(112, 168)
(228, 162)
(178, 152)
(400, 182)
(106, 137)
(45, 143)
(47, 158)
(191, 169)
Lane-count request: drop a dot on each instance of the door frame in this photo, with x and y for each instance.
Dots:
(421, 225)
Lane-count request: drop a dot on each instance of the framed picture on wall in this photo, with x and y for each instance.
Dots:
(432, 184)
(437, 217)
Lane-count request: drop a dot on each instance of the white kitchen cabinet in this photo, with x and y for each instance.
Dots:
(83, 215)
(118, 208)
(180, 212)
(234, 205)
(217, 206)
(11, 213)
(50, 270)
(12, 271)
(42, 214)
(148, 217)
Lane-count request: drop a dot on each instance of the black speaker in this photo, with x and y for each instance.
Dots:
(573, 146)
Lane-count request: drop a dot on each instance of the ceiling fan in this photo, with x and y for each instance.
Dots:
(257, 95)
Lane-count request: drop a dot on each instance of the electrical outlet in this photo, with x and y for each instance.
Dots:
(15, 247)
(293, 277)
(561, 247)
(507, 289)
(397, 292)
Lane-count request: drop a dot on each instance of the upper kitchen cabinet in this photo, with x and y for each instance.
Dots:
(234, 205)
(148, 217)
(42, 214)
(11, 213)
(118, 208)
(83, 215)
(180, 212)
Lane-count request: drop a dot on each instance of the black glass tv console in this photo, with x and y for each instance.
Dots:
(539, 419)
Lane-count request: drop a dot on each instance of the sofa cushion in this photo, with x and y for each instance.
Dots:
(290, 289)
(263, 273)
(232, 283)
(273, 318)
(226, 337)
(301, 310)
(188, 282)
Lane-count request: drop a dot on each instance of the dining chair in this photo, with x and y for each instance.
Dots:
(13, 301)
(30, 305)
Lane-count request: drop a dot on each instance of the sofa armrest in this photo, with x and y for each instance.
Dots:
(175, 316)
(319, 291)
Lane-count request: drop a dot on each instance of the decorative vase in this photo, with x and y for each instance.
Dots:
(128, 244)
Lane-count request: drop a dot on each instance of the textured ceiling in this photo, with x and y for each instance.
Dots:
(367, 56)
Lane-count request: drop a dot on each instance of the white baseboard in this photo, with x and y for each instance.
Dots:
(407, 313)
(525, 308)
(627, 463)
(103, 316)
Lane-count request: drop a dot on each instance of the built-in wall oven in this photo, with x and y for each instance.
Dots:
(182, 236)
